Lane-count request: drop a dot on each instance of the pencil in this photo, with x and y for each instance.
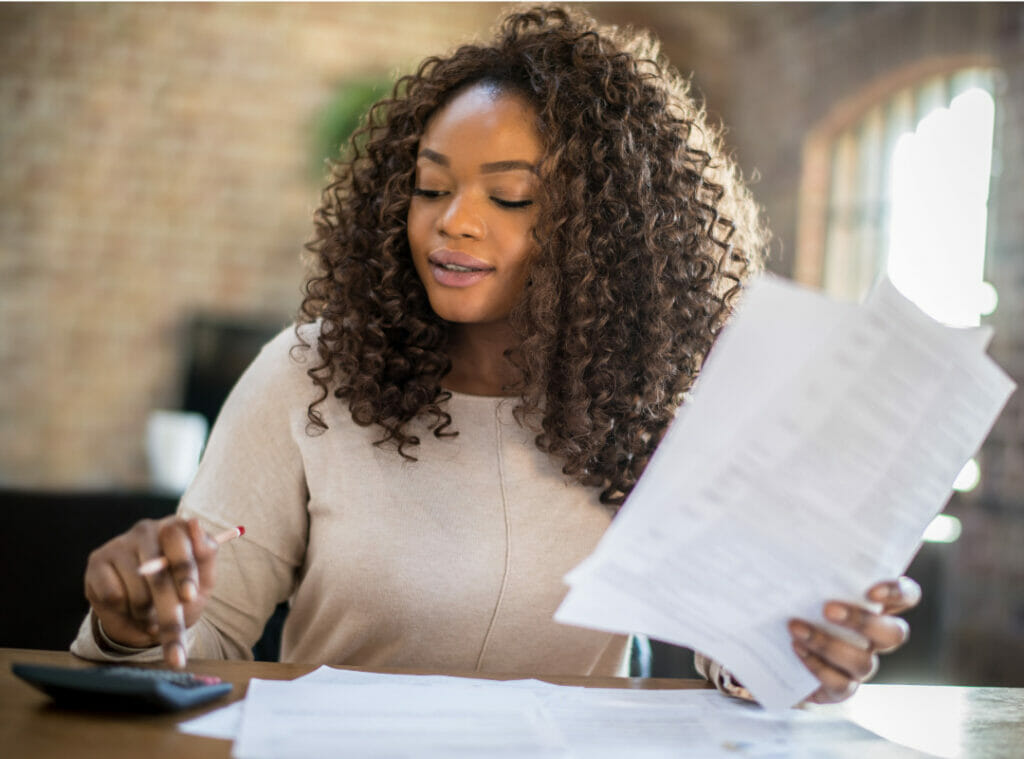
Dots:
(153, 566)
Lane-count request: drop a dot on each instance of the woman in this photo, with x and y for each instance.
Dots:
(521, 264)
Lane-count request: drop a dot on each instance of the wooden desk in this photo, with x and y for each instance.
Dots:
(32, 727)
(970, 722)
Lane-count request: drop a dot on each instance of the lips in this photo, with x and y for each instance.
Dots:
(451, 268)
(453, 259)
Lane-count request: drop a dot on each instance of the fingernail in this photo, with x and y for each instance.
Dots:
(800, 651)
(907, 587)
(836, 613)
(188, 590)
(800, 630)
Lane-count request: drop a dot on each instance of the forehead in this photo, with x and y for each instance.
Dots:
(485, 120)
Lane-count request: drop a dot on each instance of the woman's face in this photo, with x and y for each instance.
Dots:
(472, 209)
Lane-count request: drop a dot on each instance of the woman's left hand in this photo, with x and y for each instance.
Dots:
(841, 666)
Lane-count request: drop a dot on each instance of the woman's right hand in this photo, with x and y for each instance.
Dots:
(142, 611)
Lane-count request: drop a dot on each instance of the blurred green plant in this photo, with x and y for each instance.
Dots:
(343, 114)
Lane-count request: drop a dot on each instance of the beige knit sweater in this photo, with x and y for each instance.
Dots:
(454, 561)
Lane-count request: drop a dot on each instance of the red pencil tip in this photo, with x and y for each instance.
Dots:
(241, 531)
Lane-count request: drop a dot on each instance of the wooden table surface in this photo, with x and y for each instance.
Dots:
(31, 726)
(949, 721)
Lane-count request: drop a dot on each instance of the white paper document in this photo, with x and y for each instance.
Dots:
(224, 723)
(333, 712)
(820, 441)
(295, 720)
(220, 723)
(605, 723)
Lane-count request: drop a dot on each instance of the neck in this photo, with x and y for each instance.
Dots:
(479, 366)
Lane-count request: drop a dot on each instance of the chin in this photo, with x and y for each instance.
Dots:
(458, 316)
(457, 310)
(469, 316)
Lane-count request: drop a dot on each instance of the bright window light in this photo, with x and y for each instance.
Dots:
(940, 179)
(943, 529)
(968, 478)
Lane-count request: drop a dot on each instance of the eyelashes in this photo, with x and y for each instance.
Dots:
(426, 193)
(512, 203)
(433, 194)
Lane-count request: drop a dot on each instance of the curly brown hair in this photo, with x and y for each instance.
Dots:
(645, 235)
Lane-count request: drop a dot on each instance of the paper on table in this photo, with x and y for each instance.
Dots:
(599, 723)
(224, 723)
(593, 722)
(609, 722)
(821, 440)
(220, 723)
(297, 720)
(326, 674)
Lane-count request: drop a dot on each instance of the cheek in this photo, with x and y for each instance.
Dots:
(418, 227)
(526, 252)
(516, 237)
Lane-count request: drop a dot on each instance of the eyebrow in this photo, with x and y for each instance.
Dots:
(486, 168)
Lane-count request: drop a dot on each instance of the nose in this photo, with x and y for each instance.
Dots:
(462, 218)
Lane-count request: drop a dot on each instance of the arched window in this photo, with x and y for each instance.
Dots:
(902, 187)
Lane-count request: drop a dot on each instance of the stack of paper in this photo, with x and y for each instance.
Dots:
(821, 440)
(333, 712)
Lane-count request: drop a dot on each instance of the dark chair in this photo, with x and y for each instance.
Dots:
(47, 538)
(44, 546)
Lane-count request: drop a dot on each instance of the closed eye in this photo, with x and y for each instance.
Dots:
(427, 193)
(512, 203)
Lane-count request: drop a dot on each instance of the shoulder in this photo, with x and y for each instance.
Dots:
(295, 344)
(282, 365)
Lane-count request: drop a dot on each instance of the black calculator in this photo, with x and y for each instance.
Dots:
(123, 688)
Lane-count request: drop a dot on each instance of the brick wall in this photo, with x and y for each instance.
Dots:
(155, 162)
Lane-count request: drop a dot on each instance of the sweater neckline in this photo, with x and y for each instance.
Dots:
(478, 398)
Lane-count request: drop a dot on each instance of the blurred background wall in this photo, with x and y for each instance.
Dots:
(159, 166)
(156, 163)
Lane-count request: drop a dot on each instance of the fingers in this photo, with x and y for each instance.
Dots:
(883, 632)
(835, 685)
(170, 618)
(110, 599)
(896, 595)
(843, 660)
(840, 665)
(176, 545)
(103, 586)
(118, 595)
(142, 610)
(138, 599)
(171, 587)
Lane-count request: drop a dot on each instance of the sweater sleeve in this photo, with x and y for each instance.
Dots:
(251, 474)
(719, 676)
